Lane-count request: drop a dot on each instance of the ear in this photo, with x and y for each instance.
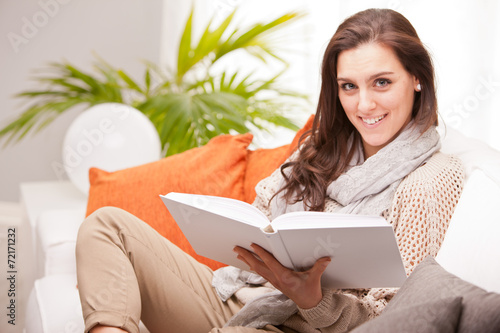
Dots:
(416, 84)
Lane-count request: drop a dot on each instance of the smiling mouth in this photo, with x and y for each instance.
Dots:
(371, 121)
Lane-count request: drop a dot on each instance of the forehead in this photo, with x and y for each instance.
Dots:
(366, 60)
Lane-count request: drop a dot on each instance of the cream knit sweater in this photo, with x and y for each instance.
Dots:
(420, 213)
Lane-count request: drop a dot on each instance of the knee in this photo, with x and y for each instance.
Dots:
(101, 221)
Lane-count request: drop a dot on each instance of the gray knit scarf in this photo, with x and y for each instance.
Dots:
(367, 187)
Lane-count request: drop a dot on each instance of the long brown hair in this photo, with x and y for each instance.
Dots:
(324, 156)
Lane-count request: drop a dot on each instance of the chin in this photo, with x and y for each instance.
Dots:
(376, 142)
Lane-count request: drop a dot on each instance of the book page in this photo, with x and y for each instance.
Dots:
(213, 235)
(363, 248)
(230, 208)
(362, 257)
(314, 220)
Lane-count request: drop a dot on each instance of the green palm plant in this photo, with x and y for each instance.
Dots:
(188, 105)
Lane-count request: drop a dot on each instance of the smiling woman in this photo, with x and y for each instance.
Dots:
(378, 103)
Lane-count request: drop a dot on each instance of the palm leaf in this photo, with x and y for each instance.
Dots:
(147, 81)
(208, 42)
(130, 83)
(68, 86)
(184, 48)
(252, 37)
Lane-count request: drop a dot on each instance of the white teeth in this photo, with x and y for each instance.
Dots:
(371, 121)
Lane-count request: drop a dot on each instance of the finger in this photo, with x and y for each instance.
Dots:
(268, 259)
(252, 260)
(241, 250)
(274, 271)
(239, 257)
(244, 253)
(248, 255)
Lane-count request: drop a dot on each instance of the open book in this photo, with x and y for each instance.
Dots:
(363, 249)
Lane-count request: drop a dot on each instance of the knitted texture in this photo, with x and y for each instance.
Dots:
(367, 186)
(420, 214)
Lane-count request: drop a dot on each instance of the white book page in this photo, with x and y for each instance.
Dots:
(214, 235)
(315, 220)
(363, 248)
(231, 208)
(362, 257)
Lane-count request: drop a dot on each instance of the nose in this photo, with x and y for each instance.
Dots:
(366, 102)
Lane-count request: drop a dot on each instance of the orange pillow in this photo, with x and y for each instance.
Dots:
(218, 168)
(262, 162)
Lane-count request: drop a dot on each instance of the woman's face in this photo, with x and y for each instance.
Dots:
(376, 93)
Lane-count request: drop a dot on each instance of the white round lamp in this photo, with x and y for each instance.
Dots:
(109, 136)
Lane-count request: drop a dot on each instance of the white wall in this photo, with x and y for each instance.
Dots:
(35, 32)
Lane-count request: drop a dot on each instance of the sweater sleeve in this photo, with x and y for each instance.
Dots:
(334, 314)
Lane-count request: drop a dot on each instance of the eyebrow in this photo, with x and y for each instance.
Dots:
(370, 78)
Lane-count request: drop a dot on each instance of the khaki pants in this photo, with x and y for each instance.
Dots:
(128, 272)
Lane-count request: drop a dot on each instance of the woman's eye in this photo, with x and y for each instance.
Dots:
(348, 86)
(382, 82)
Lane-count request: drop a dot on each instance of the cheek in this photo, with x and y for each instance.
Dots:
(398, 105)
(390, 100)
(398, 100)
(349, 104)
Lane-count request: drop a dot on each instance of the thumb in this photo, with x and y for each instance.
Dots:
(320, 265)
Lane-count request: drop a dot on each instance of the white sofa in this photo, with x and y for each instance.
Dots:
(471, 249)
(54, 303)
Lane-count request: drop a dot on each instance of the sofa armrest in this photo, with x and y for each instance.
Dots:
(54, 306)
(56, 240)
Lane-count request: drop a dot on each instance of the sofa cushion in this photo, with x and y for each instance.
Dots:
(262, 162)
(471, 249)
(430, 283)
(218, 168)
(439, 316)
(474, 153)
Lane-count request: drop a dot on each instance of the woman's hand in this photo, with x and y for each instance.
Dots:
(304, 288)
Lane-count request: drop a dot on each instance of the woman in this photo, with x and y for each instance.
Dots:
(373, 149)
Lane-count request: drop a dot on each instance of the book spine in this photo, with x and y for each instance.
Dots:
(279, 250)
